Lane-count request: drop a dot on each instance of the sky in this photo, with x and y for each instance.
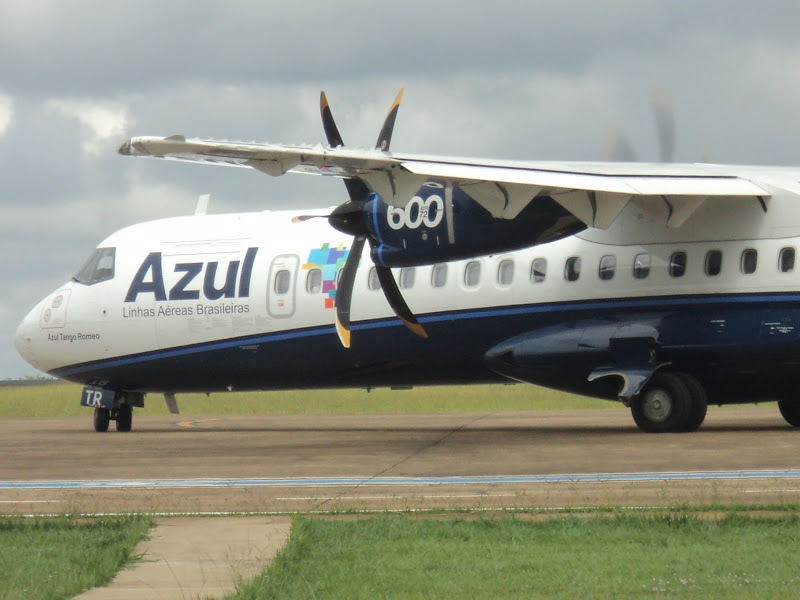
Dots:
(518, 80)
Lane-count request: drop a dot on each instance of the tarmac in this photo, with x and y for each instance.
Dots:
(285, 465)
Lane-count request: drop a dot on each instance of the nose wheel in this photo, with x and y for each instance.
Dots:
(102, 417)
(123, 416)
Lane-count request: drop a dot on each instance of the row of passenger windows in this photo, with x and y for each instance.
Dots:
(712, 265)
(607, 269)
(407, 277)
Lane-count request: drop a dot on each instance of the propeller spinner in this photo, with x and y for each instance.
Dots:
(349, 218)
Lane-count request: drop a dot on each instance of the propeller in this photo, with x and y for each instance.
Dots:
(664, 111)
(618, 146)
(349, 218)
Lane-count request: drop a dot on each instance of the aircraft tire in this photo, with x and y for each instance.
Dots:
(698, 405)
(124, 417)
(102, 417)
(663, 406)
(790, 411)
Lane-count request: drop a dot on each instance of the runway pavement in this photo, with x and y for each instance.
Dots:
(452, 460)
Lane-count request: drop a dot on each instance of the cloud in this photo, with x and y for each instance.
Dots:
(102, 121)
(512, 80)
(26, 22)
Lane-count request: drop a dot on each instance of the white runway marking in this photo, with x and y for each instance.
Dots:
(398, 481)
(428, 496)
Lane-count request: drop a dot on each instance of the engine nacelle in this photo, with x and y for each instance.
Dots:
(432, 229)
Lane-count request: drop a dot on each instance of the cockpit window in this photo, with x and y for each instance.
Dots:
(98, 267)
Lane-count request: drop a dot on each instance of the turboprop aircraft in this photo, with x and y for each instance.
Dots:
(663, 286)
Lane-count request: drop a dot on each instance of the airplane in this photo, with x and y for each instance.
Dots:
(662, 286)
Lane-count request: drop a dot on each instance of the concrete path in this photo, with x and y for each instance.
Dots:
(188, 558)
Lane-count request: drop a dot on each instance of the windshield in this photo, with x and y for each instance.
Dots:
(98, 267)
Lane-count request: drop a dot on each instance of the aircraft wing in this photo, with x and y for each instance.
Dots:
(594, 192)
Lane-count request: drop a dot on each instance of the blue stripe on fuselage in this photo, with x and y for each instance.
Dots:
(664, 302)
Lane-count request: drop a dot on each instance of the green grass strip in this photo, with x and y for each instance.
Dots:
(64, 401)
(50, 558)
(622, 556)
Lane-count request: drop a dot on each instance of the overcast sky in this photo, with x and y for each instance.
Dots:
(535, 80)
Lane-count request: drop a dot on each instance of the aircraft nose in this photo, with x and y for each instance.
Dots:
(23, 339)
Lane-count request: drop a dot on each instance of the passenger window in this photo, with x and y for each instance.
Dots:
(572, 269)
(98, 267)
(713, 263)
(608, 265)
(282, 279)
(314, 281)
(439, 275)
(472, 273)
(538, 270)
(505, 272)
(407, 275)
(786, 259)
(677, 264)
(749, 261)
(373, 282)
(641, 266)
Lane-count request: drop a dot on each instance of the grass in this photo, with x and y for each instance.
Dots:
(60, 557)
(623, 556)
(63, 401)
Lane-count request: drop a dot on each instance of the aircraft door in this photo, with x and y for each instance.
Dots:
(281, 286)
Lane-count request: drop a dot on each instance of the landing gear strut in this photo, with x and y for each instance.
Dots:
(670, 402)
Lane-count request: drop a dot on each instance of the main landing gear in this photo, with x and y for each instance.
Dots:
(790, 410)
(671, 402)
(123, 416)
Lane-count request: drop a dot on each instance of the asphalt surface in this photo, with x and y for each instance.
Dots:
(369, 450)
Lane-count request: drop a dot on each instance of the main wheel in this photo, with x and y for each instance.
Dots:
(124, 417)
(790, 410)
(698, 406)
(102, 416)
(663, 406)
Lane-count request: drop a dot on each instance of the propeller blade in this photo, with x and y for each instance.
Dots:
(331, 131)
(385, 136)
(301, 218)
(397, 302)
(618, 147)
(664, 111)
(356, 189)
(344, 291)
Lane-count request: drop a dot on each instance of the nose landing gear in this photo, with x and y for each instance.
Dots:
(123, 416)
(110, 405)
